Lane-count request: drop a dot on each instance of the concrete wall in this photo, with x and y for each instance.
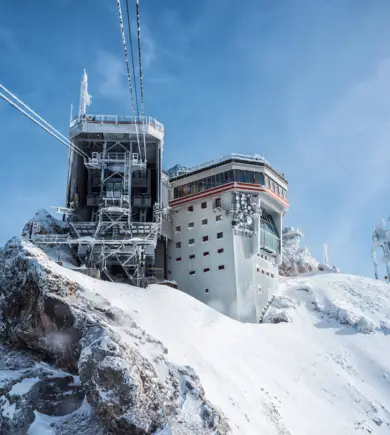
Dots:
(220, 284)
(243, 288)
(255, 278)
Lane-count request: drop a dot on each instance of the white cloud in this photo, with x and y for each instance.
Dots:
(113, 84)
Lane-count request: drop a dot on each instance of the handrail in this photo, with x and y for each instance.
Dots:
(254, 158)
(145, 120)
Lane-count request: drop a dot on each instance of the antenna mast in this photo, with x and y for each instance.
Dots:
(85, 97)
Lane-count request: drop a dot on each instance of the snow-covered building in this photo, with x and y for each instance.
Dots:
(114, 193)
(292, 237)
(226, 218)
(215, 229)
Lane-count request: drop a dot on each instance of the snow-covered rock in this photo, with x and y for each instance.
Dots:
(297, 262)
(36, 397)
(125, 372)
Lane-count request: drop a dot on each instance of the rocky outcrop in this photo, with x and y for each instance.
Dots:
(297, 261)
(30, 389)
(124, 373)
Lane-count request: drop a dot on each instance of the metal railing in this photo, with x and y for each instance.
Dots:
(114, 119)
(248, 158)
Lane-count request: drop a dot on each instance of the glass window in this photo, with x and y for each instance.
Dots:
(204, 221)
(239, 176)
(190, 208)
(266, 180)
(219, 235)
(206, 270)
(205, 238)
(192, 272)
(218, 217)
(259, 178)
(191, 224)
(267, 223)
(204, 205)
(205, 254)
(178, 229)
(110, 189)
(218, 202)
(220, 250)
(192, 256)
(221, 267)
(178, 259)
(178, 244)
(191, 241)
(207, 290)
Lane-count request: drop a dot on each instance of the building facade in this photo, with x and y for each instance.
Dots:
(226, 219)
(215, 229)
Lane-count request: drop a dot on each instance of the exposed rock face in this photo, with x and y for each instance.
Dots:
(124, 372)
(29, 388)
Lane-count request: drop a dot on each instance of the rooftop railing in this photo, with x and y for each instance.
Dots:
(242, 157)
(115, 119)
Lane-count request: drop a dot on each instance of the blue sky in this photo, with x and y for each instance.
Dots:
(305, 82)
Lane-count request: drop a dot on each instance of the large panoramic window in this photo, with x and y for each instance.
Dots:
(267, 223)
(237, 175)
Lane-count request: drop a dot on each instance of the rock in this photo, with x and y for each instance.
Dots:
(124, 372)
(29, 387)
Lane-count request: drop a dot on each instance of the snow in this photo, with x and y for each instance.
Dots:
(323, 371)
(326, 372)
(23, 387)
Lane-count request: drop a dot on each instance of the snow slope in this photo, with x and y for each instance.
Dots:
(327, 372)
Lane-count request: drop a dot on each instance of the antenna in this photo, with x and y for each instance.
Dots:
(326, 261)
(85, 97)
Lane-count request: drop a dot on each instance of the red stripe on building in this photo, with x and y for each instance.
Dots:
(224, 188)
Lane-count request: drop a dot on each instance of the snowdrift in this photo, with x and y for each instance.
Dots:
(323, 369)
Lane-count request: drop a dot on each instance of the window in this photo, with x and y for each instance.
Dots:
(205, 254)
(218, 218)
(191, 241)
(267, 223)
(272, 275)
(204, 205)
(221, 267)
(178, 259)
(206, 290)
(220, 250)
(205, 238)
(204, 221)
(259, 287)
(190, 209)
(192, 256)
(192, 272)
(191, 225)
(218, 202)
(177, 229)
(219, 235)
(178, 244)
(206, 270)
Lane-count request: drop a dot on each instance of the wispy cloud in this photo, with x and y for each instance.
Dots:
(348, 152)
(113, 78)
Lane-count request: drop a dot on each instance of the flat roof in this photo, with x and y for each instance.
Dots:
(231, 158)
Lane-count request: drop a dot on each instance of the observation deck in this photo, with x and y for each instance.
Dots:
(230, 158)
(116, 125)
